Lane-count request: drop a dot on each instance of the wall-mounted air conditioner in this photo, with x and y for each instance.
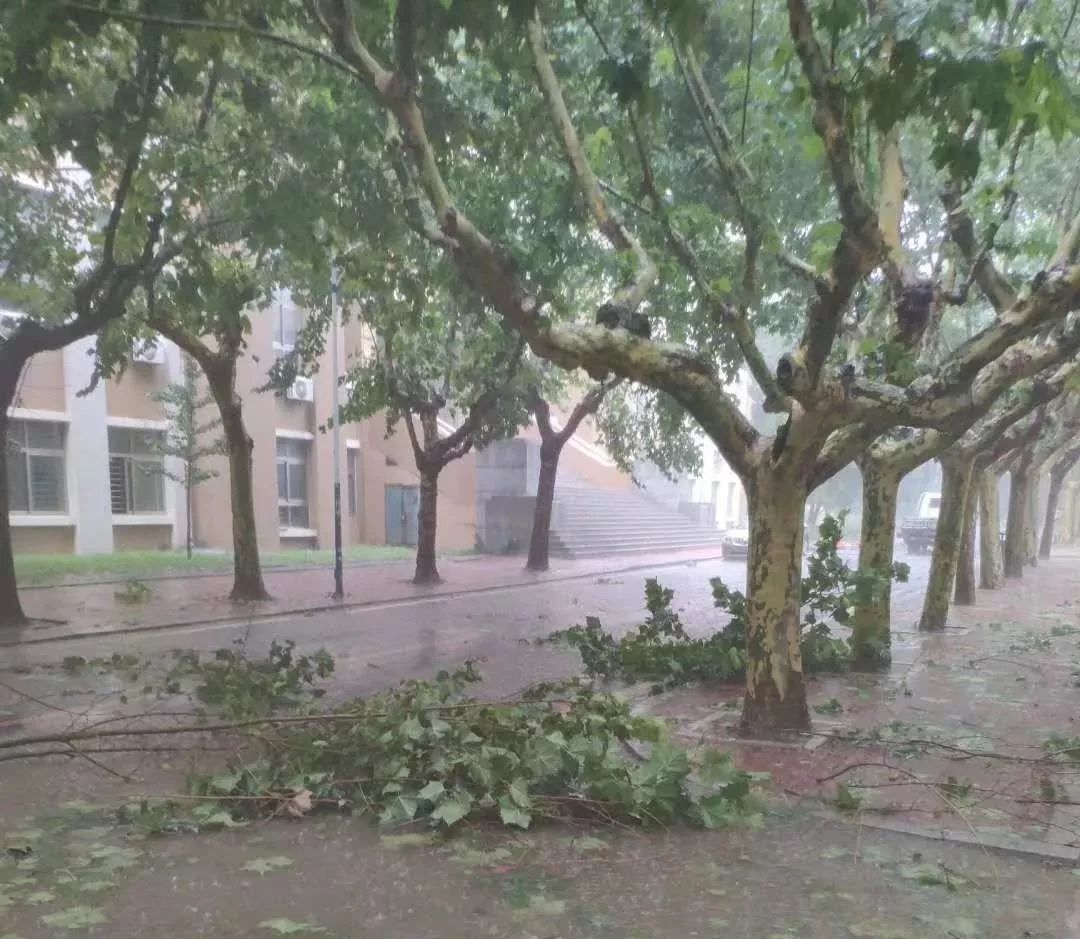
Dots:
(148, 351)
(302, 389)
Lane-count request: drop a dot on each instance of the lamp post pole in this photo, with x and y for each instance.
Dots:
(335, 318)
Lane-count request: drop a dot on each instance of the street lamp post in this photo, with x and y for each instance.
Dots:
(335, 326)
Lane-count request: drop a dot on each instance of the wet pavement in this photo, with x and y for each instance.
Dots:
(98, 609)
(950, 741)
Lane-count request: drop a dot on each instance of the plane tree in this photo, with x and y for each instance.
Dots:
(725, 213)
(87, 225)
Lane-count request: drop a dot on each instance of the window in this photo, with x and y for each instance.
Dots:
(136, 471)
(351, 476)
(285, 321)
(292, 483)
(35, 463)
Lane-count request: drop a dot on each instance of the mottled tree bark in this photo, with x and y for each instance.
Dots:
(871, 636)
(991, 573)
(1031, 523)
(427, 572)
(540, 539)
(1053, 497)
(964, 594)
(248, 583)
(775, 690)
(1015, 546)
(955, 476)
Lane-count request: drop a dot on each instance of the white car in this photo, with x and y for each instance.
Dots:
(736, 543)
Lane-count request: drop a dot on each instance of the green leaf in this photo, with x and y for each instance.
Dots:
(588, 844)
(263, 865)
(512, 815)
(813, 148)
(401, 808)
(412, 728)
(453, 810)
(519, 793)
(95, 886)
(221, 819)
(540, 905)
(225, 783)
(288, 927)
(114, 858)
(432, 791)
(75, 917)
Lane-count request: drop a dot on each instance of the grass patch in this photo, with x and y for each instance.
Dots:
(41, 569)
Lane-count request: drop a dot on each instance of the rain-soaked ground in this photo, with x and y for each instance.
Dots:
(995, 687)
(798, 875)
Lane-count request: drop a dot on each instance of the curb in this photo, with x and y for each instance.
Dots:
(1004, 844)
(342, 605)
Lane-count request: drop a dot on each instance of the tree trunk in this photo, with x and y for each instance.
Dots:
(870, 636)
(539, 542)
(964, 594)
(247, 570)
(11, 611)
(991, 574)
(426, 570)
(1031, 523)
(775, 691)
(1053, 497)
(1019, 483)
(955, 476)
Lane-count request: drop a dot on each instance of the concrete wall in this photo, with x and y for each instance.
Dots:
(52, 381)
(43, 540)
(142, 537)
(42, 385)
(130, 395)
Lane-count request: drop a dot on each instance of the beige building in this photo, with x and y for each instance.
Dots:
(86, 477)
(86, 474)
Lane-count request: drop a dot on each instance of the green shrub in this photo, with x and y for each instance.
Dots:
(660, 650)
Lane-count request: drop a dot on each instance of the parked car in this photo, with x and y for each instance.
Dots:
(918, 531)
(736, 543)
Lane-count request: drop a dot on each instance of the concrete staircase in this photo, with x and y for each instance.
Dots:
(589, 522)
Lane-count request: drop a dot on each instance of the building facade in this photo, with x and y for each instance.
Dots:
(86, 474)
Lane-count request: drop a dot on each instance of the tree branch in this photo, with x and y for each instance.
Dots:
(722, 312)
(609, 224)
(210, 26)
(994, 286)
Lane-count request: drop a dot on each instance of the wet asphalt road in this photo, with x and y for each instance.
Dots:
(378, 645)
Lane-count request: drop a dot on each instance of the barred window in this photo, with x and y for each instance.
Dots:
(136, 471)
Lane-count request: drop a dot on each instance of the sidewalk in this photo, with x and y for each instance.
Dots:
(82, 610)
(951, 743)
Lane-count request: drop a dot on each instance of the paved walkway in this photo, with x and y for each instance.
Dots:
(82, 610)
(952, 741)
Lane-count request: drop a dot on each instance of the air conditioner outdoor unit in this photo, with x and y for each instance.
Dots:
(148, 352)
(302, 389)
